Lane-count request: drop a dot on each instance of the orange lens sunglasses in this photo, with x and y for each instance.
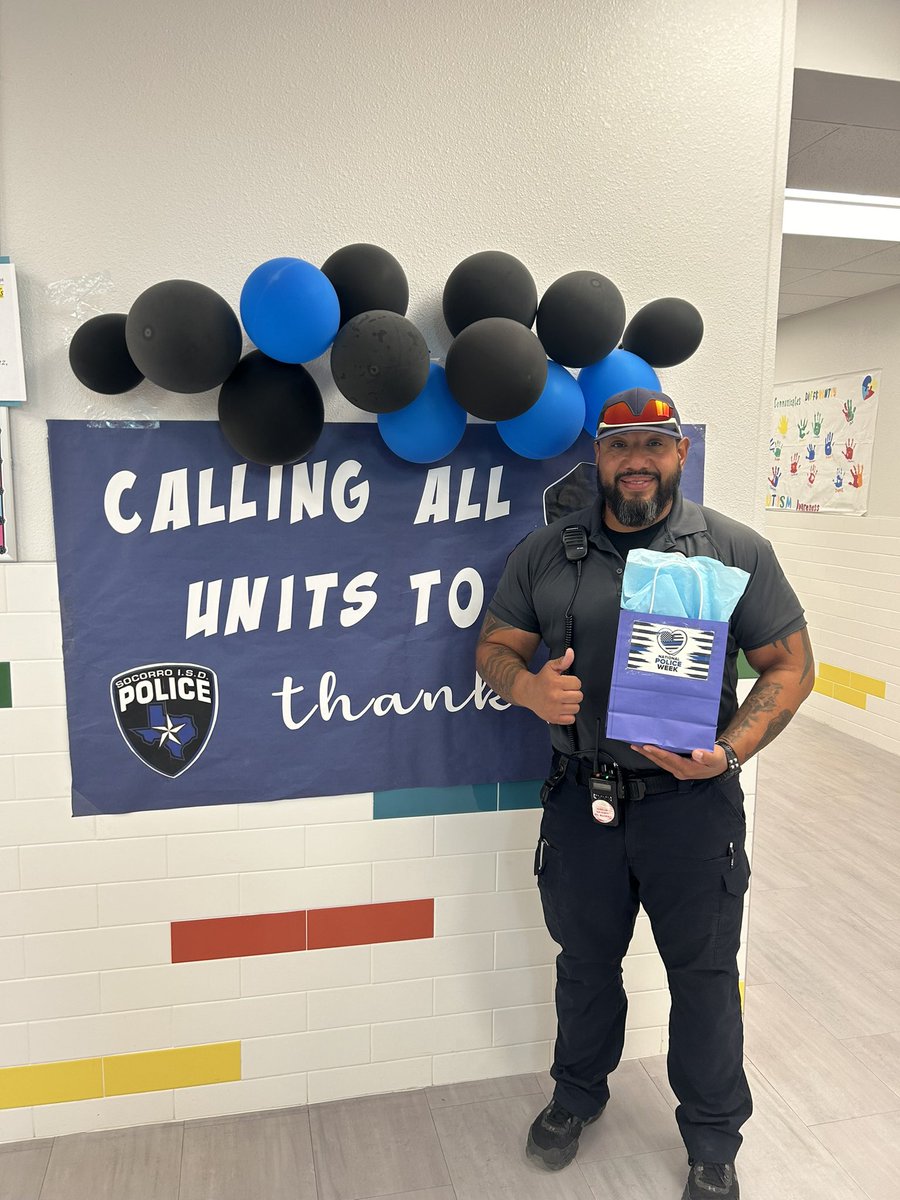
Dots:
(653, 410)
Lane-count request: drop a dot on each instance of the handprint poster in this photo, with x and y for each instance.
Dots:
(820, 448)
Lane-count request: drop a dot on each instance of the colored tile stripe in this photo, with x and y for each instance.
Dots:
(315, 929)
(435, 802)
(119, 1075)
(851, 679)
(365, 924)
(238, 937)
(429, 802)
(5, 686)
(848, 686)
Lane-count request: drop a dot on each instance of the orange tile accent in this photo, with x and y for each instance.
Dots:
(237, 937)
(363, 924)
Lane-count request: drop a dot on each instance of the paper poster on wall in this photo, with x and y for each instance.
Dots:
(235, 633)
(7, 527)
(821, 442)
(12, 364)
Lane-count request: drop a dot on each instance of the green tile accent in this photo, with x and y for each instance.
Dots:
(430, 802)
(521, 795)
(745, 671)
(5, 686)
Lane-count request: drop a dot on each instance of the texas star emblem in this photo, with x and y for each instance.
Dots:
(166, 713)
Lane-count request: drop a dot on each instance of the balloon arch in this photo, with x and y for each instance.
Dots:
(510, 361)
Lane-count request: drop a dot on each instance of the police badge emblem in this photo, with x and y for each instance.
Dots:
(166, 713)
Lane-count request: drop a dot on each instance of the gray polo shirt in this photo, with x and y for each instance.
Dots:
(537, 584)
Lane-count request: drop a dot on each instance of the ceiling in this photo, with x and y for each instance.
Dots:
(845, 137)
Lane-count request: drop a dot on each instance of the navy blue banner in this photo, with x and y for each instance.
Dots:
(235, 633)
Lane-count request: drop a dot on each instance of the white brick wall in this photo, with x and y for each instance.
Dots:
(846, 572)
(86, 905)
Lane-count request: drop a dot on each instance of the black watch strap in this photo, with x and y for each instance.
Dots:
(732, 762)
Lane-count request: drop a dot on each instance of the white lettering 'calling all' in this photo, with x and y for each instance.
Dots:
(329, 703)
(179, 504)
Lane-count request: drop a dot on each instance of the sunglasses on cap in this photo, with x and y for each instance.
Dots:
(657, 414)
(653, 411)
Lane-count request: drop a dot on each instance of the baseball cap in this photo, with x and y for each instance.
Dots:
(638, 409)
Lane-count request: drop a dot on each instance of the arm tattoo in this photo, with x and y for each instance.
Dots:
(498, 665)
(490, 624)
(763, 700)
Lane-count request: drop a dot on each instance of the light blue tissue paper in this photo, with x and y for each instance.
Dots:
(672, 585)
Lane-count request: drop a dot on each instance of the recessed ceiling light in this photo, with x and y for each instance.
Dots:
(841, 214)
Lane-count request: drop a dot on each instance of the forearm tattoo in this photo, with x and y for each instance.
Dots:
(765, 699)
(768, 709)
(498, 665)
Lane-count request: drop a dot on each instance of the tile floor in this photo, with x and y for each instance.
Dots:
(822, 1045)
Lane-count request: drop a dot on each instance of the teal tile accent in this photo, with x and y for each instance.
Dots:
(521, 795)
(431, 802)
(5, 687)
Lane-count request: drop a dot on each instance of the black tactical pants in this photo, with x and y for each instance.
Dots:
(681, 854)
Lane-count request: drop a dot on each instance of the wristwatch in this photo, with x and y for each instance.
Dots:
(732, 762)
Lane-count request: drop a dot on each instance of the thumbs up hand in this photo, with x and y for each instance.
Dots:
(551, 694)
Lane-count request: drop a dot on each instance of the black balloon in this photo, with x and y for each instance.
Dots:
(380, 361)
(580, 318)
(99, 356)
(183, 336)
(270, 412)
(496, 369)
(664, 332)
(366, 277)
(489, 284)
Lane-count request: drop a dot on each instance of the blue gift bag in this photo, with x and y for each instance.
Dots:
(667, 680)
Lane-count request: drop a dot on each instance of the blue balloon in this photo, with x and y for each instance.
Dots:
(553, 422)
(618, 372)
(429, 428)
(290, 310)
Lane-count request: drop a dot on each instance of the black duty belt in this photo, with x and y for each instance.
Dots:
(638, 783)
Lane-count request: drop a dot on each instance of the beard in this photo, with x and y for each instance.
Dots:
(637, 512)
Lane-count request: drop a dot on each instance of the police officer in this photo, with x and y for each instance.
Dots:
(671, 836)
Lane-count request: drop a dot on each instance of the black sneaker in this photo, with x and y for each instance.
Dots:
(553, 1138)
(712, 1181)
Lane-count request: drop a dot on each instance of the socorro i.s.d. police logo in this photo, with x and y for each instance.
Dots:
(166, 713)
(672, 640)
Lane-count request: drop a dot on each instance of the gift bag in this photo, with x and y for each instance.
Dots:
(667, 678)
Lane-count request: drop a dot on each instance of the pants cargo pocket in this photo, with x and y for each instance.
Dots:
(735, 881)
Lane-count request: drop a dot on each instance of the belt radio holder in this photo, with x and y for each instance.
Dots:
(607, 789)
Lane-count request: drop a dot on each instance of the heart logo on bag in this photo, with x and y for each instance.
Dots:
(672, 640)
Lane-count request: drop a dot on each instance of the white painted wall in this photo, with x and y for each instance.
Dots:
(643, 138)
(862, 38)
(846, 569)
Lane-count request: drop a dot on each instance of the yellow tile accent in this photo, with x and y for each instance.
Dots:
(849, 695)
(865, 683)
(741, 990)
(824, 686)
(835, 674)
(51, 1083)
(122, 1074)
(159, 1070)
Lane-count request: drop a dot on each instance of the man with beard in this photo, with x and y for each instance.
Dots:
(678, 844)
